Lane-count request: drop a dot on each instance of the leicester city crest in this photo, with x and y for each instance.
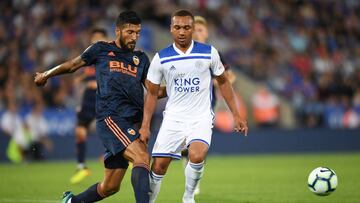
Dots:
(136, 60)
(199, 64)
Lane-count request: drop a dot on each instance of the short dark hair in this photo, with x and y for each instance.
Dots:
(99, 30)
(128, 17)
(183, 12)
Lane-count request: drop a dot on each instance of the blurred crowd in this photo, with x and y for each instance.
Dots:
(307, 52)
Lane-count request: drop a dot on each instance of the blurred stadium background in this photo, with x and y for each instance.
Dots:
(297, 65)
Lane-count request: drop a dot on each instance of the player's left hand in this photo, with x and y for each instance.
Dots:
(241, 125)
(40, 79)
(144, 134)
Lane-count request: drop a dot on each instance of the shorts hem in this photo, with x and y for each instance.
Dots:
(174, 156)
(198, 140)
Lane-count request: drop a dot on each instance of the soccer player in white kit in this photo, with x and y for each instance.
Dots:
(186, 66)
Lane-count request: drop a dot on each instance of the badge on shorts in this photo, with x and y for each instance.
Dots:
(136, 60)
(131, 131)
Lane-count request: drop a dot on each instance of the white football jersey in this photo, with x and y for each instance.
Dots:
(188, 79)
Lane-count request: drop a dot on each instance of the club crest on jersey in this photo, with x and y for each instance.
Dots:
(131, 131)
(199, 64)
(136, 60)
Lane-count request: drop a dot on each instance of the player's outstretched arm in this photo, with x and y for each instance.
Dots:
(149, 108)
(67, 67)
(229, 96)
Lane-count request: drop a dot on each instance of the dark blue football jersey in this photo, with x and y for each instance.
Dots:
(120, 75)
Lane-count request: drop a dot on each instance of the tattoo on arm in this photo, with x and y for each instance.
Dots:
(76, 63)
(67, 67)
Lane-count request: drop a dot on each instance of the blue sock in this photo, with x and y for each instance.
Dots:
(140, 183)
(80, 151)
(89, 195)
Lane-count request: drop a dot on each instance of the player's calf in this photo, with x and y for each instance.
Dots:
(158, 170)
(137, 153)
(109, 189)
(92, 194)
(194, 169)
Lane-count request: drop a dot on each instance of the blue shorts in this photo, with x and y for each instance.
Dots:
(116, 135)
(87, 111)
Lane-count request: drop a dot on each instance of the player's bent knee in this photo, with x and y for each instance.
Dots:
(196, 158)
(145, 157)
(159, 167)
(110, 190)
(142, 156)
(142, 160)
(80, 134)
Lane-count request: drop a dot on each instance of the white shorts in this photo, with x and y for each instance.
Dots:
(174, 136)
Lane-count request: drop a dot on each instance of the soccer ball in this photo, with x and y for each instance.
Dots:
(322, 181)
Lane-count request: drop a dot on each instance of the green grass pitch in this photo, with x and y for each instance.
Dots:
(227, 179)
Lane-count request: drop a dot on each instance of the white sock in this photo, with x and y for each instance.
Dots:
(155, 184)
(185, 161)
(193, 174)
(80, 166)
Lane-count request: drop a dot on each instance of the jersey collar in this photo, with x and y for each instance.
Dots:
(188, 51)
(119, 48)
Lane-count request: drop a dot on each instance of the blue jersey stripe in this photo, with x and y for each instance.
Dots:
(184, 58)
(201, 48)
(167, 52)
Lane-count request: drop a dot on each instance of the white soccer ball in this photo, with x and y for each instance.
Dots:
(322, 181)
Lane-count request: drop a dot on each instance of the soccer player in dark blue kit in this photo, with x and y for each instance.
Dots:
(120, 76)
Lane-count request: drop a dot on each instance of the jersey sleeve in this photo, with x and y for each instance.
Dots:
(155, 74)
(90, 53)
(223, 61)
(146, 68)
(216, 66)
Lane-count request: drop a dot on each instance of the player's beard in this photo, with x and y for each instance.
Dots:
(125, 46)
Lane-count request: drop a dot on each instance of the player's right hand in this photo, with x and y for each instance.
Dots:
(40, 79)
(241, 125)
(144, 134)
